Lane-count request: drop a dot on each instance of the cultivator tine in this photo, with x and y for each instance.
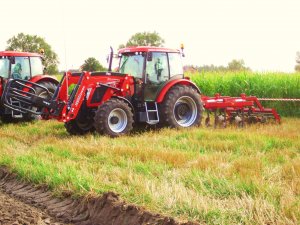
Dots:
(243, 118)
(225, 120)
(207, 120)
(216, 119)
(220, 118)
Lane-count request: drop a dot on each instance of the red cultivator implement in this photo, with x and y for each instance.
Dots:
(237, 109)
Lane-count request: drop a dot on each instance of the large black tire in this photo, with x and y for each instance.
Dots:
(41, 93)
(5, 118)
(74, 128)
(114, 118)
(181, 107)
(47, 84)
(82, 124)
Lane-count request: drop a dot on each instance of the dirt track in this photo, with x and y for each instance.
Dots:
(37, 203)
(15, 212)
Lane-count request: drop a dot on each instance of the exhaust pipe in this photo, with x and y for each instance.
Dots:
(110, 59)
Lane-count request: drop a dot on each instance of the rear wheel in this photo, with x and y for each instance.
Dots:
(181, 107)
(113, 118)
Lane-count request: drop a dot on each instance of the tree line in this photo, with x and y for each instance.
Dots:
(33, 43)
(234, 65)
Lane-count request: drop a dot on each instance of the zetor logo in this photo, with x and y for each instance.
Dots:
(79, 97)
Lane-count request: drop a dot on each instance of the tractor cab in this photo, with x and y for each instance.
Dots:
(151, 67)
(20, 65)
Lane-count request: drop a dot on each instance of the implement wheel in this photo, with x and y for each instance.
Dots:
(113, 118)
(181, 107)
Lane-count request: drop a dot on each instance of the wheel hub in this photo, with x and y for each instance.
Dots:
(185, 111)
(182, 110)
(114, 120)
(117, 120)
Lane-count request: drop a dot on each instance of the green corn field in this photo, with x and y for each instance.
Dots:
(262, 85)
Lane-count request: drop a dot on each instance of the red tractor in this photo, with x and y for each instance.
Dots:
(27, 67)
(149, 87)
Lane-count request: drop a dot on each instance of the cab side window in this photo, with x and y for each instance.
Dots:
(4, 67)
(176, 67)
(36, 66)
(21, 68)
(157, 70)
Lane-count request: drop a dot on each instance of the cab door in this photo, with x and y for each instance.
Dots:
(156, 74)
(133, 63)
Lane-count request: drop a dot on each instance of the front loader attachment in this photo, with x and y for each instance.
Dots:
(20, 96)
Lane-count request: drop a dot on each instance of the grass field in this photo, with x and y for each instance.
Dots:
(262, 85)
(216, 176)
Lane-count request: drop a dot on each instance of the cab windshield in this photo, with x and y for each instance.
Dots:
(132, 64)
(4, 67)
(22, 67)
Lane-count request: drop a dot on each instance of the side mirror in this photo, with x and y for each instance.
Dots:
(149, 56)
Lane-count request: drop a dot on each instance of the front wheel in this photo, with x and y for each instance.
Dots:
(113, 118)
(82, 124)
(181, 107)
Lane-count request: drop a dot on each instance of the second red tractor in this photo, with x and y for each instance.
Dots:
(23, 66)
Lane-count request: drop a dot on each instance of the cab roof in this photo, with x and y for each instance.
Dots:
(146, 49)
(14, 53)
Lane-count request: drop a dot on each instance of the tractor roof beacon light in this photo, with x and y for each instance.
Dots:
(182, 47)
(42, 53)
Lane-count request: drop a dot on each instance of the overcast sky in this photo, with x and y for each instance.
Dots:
(265, 33)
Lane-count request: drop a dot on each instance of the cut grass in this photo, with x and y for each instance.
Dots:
(216, 176)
